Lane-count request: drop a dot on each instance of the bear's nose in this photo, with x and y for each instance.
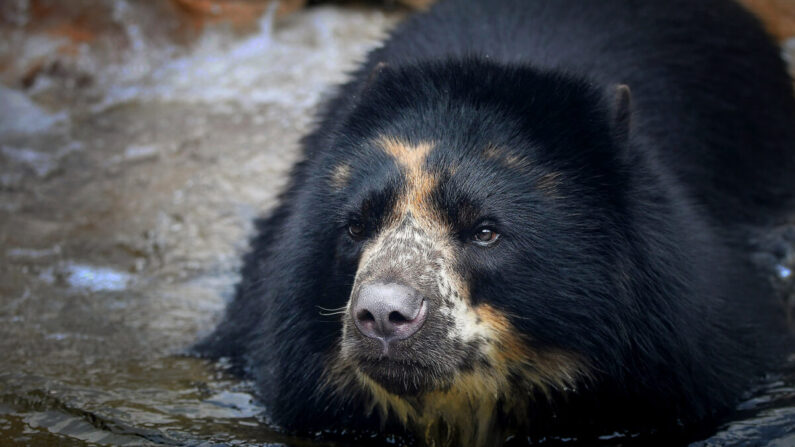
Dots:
(389, 311)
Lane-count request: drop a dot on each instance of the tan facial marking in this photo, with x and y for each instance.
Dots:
(549, 184)
(340, 176)
(461, 415)
(508, 159)
(419, 182)
(544, 368)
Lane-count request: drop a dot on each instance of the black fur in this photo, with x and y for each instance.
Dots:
(638, 261)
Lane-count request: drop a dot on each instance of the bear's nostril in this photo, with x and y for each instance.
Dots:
(365, 316)
(397, 317)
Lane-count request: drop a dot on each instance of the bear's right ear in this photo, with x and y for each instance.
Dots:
(620, 113)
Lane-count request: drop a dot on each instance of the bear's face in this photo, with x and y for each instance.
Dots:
(479, 263)
(441, 244)
(408, 325)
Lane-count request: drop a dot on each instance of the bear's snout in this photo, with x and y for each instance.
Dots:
(388, 312)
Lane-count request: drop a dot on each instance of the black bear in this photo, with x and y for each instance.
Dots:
(526, 218)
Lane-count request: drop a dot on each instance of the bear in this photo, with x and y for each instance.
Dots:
(524, 219)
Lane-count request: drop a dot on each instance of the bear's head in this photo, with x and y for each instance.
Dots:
(480, 214)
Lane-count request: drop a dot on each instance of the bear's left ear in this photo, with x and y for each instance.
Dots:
(620, 103)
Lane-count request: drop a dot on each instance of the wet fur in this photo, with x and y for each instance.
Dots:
(620, 299)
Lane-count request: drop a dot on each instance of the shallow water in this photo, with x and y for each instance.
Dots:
(129, 175)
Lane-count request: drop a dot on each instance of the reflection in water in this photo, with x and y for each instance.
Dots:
(128, 181)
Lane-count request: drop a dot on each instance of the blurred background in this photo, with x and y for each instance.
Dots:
(138, 139)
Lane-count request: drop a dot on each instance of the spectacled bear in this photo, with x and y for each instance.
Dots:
(526, 218)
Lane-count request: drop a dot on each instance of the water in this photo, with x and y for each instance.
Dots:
(130, 170)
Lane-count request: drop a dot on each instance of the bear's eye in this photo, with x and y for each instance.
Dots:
(356, 230)
(485, 236)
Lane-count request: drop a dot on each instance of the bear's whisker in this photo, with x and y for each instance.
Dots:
(331, 312)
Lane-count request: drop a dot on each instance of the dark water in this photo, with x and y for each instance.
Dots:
(127, 188)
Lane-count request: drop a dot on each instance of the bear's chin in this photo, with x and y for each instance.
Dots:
(402, 379)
